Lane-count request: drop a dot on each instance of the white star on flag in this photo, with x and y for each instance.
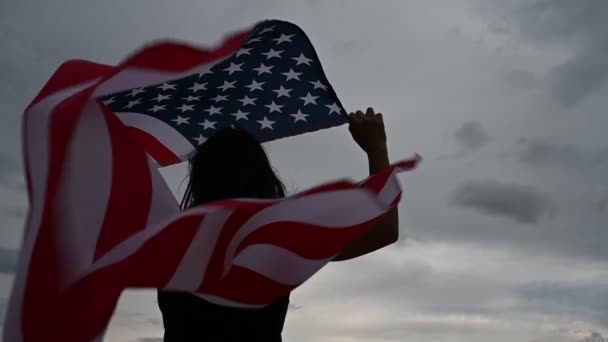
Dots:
(247, 101)
(156, 108)
(309, 99)
(272, 53)
(185, 107)
(273, 107)
(161, 97)
(204, 72)
(255, 85)
(263, 69)
(133, 103)
(200, 139)
(266, 123)
(266, 29)
(198, 86)
(243, 51)
(333, 108)
(213, 110)
(109, 101)
(299, 116)
(301, 59)
(233, 68)
(292, 75)
(318, 84)
(208, 124)
(282, 92)
(219, 98)
(136, 91)
(167, 86)
(180, 120)
(239, 115)
(192, 98)
(283, 38)
(227, 85)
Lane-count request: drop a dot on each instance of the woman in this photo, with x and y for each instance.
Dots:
(233, 164)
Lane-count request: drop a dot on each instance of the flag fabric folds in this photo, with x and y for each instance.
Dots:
(273, 86)
(101, 218)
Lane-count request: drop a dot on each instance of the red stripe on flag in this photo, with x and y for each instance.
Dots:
(45, 269)
(71, 73)
(131, 193)
(306, 240)
(157, 150)
(376, 183)
(158, 259)
(83, 311)
(232, 225)
(181, 56)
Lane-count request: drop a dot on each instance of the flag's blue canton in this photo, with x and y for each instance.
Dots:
(273, 87)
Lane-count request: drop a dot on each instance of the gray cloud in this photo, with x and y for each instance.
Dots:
(450, 301)
(556, 21)
(576, 300)
(14, 212)
(566, 335)
(595, 337)
(582, 25)
(602, 204)
(7, 164)
(8, 260)
(521, 80)
(539, 152)
(521, 203)
(471, 135)
(543, 152)
(581, 76)
(9, 172)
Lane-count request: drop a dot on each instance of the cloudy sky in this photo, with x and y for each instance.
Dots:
(504, 228)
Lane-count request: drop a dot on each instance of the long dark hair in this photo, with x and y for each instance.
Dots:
(230, 164)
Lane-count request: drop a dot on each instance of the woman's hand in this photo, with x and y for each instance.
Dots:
(368, 131)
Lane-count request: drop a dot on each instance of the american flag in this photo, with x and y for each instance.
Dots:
(273, 86)
(101, 218)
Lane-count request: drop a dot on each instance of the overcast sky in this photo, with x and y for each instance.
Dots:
(504, 228)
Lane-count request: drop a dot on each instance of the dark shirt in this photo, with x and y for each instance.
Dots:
(187, 317)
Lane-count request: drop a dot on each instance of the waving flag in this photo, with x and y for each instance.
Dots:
(102, 219)
(273, 86)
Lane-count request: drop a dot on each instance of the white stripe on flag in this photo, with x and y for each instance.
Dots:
(130, 78)
(335, 210)
(38, 120)
(312, 209)
(278, 264)
(390, 190)
(166, 134)
(133, 243)
(193, 266)
(86, 178)
(363, 199)
(164, 205)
